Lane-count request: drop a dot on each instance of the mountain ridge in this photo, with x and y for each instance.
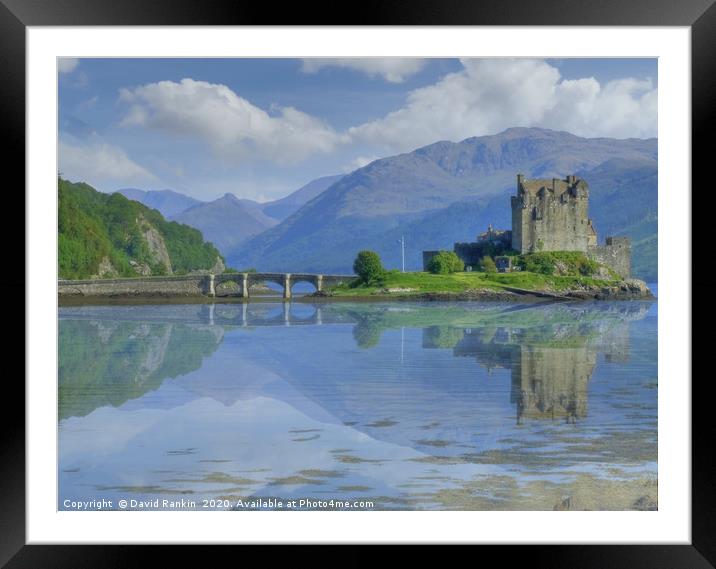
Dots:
(367, 207)
(167, 202)
(228, 220)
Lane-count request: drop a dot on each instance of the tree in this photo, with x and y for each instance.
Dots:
(488, 264)
(368, 267)
(445, 262)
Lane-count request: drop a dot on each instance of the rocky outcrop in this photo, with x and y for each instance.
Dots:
(141, 268)
(629, 289)
(156, 245)
(217, 269)
(105, 269)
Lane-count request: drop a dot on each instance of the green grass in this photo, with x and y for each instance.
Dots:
(466, 281)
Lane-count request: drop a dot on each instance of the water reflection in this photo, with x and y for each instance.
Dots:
(106, 362)
(472, 406)
(550, 364)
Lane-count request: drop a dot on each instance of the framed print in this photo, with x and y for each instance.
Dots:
(424, 277)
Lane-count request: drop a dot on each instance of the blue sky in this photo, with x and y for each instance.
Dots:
(261, 128)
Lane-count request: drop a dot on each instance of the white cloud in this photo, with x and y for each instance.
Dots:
(88, 103)
(67, 64)
(358, 162)
(99, 163)
(490, 95)
(622, 108)
(392, 69)
(234, 128)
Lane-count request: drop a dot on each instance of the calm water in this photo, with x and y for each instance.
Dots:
(395, 405)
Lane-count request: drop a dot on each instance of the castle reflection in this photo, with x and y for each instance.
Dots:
(550, 364)
(109, 357)
(547, 382)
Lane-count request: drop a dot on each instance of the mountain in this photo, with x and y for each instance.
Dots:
(409, 193)
(228, 221)
(168, 202)
(624, 202)
(108, 235)
(281, 209)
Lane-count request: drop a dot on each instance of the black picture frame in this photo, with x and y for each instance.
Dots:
(699, 15)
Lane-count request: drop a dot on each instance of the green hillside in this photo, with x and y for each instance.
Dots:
(108, 235)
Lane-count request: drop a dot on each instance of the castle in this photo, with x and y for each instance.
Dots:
(547, 215)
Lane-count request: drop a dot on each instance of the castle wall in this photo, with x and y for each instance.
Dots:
(615, 254)
(519, 223)
(547, 220)
(470, 253)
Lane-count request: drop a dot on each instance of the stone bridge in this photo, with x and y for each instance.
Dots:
(223, 285)
(284, 280)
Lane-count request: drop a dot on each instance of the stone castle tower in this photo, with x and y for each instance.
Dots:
(552, 215)
(547, 215)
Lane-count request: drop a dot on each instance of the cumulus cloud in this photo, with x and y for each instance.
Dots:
(392, 69)
(67, 64)
(98, 163)
(231, 125)
(622, 108)
(490, 95)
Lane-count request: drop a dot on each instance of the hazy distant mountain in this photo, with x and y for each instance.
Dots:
(227, 221)
(168, 202)
(624, 202)
(281, 209)
(409, 193)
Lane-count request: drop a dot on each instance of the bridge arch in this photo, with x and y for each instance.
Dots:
(283, 280)
(316, 281)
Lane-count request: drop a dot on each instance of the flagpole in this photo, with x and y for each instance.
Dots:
(402, 250)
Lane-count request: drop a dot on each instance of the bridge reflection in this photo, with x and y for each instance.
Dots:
(241, 314)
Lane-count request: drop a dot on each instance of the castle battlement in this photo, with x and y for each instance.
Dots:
(551, 215)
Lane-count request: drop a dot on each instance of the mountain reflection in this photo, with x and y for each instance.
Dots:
(106, 362)
(434, 405)
(550, 350)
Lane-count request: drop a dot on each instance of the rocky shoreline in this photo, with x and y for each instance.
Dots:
(631, 289)
(627, 290)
